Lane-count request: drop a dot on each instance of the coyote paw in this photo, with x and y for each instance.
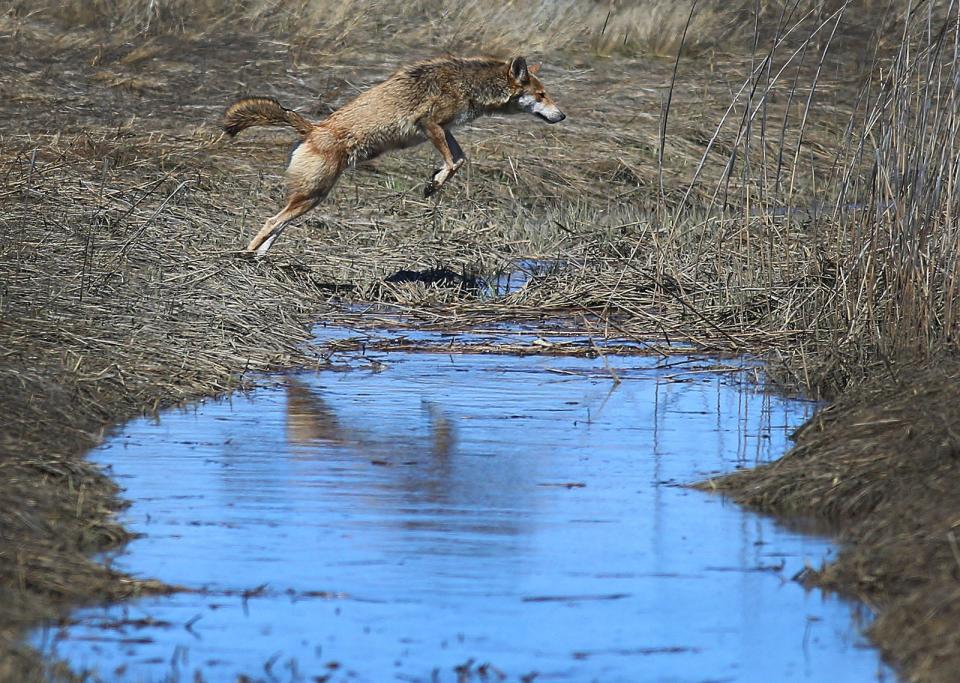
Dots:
(436, 181)
(251, 255)
(440, 177)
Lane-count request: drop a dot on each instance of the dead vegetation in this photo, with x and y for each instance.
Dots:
(788, 188)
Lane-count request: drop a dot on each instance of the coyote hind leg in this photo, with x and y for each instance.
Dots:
(297, 205)
(314, 169)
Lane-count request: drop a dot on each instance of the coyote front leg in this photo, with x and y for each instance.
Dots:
(453, 156)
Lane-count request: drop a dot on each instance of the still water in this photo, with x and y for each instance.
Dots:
(435, 517)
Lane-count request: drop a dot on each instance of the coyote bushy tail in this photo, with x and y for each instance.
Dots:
(262, 111)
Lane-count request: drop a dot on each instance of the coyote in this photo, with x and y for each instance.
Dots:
(419, 102)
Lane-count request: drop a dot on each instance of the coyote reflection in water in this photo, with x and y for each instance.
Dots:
(425, 479)
(311, 421)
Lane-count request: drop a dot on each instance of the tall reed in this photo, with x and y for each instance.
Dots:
(853, 245)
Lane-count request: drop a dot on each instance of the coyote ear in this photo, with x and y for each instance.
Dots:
(518, 70)
(534, 68)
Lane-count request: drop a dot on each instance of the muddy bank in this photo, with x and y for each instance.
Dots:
(881, 465)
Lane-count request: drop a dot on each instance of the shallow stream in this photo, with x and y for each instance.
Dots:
(465, 517)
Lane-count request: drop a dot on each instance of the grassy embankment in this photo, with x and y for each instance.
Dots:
(787, 188)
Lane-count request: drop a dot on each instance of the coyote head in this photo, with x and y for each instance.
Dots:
(528, 92)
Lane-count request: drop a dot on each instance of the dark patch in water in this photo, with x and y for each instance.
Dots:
(443, 277)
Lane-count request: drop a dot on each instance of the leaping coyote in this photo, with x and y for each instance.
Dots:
(419, 102)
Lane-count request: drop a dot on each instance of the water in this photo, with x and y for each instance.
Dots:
(515, 278)
(435, 517)
(500, 283)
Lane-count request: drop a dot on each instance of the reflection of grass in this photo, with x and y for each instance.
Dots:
(798, 196)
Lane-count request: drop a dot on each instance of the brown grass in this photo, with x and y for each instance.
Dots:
(787, 188)
(655, 27)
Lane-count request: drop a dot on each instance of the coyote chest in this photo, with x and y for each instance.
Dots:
(419, 102)
(465, 116)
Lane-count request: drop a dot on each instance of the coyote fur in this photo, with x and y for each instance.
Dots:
(419, 102)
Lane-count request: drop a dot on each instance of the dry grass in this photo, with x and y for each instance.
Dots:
(826, 233)
(657, 27)
(598, 27)
(790, 190)
(898, 290)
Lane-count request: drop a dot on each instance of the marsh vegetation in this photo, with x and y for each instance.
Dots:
(774, 178)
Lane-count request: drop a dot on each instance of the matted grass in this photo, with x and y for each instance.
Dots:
(786, 189)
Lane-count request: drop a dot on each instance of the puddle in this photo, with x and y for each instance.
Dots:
(465, 518)
(541, 337)
(514, 278)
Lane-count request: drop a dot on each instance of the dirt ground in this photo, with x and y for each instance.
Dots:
(122, 209)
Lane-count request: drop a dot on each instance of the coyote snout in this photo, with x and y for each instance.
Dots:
(419, 102)
(549, 112)
(533, 98)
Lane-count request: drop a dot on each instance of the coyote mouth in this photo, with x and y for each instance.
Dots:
(549, 120)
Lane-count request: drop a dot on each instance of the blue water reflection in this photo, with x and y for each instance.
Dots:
(462, 518)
